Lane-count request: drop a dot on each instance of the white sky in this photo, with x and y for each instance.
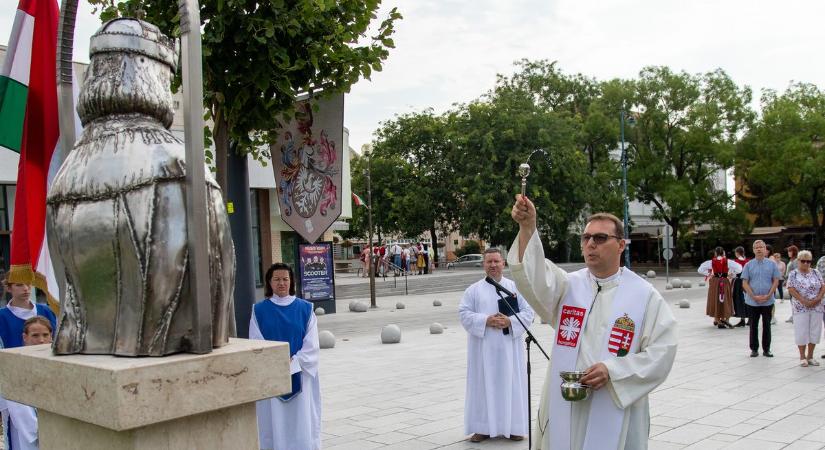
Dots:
(449, 51)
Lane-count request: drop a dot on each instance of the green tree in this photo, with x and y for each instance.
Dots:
(781, 159)
(685, 136)
(425, 196)
(592, 107)
(258, 56)
(388, 174)
(493, 136)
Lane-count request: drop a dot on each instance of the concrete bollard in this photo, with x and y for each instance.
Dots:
(326, 339)
(436, 328)
(436, 302)
(676, 283)
(319, 311)
(360, 307)
(684, 304)
(390, 334)
(668, 286)
(399, 305)
(651, 274)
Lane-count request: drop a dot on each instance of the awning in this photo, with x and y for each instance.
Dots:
(762, 231)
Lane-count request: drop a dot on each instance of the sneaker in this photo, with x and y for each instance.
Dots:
(813, 362)
(790, 320)
(803, 363)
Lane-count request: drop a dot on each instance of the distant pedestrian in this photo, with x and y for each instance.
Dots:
(426, 253)
(365, 256)
(760, 277)
(807, 289)
(777, 259)
(740, 308)
(793, 264)
(719, 302)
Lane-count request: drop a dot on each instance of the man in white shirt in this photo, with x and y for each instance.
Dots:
(496, 397)
(609, 323)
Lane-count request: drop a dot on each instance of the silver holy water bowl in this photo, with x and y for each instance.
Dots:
(572, 389)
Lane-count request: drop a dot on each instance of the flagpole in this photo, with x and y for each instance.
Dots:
(196, 216)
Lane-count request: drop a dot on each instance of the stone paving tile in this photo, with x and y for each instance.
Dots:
(804, 445)
(411, 395)
(391, 438)
(688, 434)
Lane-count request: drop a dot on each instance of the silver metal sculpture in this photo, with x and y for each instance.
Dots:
(122, 218)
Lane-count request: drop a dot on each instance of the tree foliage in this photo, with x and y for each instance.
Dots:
(782, 158)
(685, 136)
(259, 56)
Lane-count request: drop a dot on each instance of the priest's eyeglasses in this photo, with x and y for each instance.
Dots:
(598, 238)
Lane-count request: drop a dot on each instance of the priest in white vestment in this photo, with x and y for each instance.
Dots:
(291, 421)
(496, 395)
(609, 323)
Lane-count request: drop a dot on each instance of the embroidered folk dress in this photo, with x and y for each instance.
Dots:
(496, 396)
(632, 377)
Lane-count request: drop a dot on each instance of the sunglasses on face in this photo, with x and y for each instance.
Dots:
(804, 261)
(598, 238)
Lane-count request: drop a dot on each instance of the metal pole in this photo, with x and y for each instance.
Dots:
(196, 226)
(624, 190)
(369, 218)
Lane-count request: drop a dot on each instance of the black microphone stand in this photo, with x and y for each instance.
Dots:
(527, 340)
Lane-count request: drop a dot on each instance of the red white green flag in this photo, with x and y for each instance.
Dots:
(357, 200)
(29, 126)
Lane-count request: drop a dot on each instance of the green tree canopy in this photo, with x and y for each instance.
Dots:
(782, 160)
(684, 141)
(258, 56)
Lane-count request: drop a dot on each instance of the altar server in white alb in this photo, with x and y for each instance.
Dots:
(291, 421)
(496, 397)
(608, 322)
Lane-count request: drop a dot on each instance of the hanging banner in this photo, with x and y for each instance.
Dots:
(316, 282)
(307, 162)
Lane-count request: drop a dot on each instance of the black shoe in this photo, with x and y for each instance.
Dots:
(767, 354)
(823, 356)
(754, 354)
(720, 326)
(741, 323)
(727, 324)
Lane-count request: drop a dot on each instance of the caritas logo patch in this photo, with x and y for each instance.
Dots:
(570, 326)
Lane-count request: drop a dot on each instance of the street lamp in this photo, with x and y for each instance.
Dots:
(630, 121)
(366, 149)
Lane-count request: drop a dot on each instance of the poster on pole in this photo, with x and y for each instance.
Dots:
(316, 279)
(307, 159)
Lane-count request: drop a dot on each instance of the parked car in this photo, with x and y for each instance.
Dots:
(471, 260)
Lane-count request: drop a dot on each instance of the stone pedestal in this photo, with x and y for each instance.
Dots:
(176, 402)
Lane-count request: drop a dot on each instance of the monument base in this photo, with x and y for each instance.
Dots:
(181, 401)
(235, 427)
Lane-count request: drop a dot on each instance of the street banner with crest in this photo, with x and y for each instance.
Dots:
(307, 160)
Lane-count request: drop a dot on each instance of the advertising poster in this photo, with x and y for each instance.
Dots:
(315, 271)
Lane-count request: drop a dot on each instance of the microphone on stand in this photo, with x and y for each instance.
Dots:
(508, 296)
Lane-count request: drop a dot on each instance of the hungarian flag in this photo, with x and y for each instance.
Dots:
(357, 200)
(28, 126)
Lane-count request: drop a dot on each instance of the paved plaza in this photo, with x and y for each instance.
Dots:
(411, 395)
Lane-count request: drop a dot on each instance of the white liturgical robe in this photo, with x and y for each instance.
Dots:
(632, 377)
(496, 396)
(295, 424)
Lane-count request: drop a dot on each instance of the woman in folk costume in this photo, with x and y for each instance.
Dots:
(720, 303)
(740, 308)
(291, 421)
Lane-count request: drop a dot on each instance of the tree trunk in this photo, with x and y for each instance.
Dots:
(221, 139)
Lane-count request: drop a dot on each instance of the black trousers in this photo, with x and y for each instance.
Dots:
(765, 313)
